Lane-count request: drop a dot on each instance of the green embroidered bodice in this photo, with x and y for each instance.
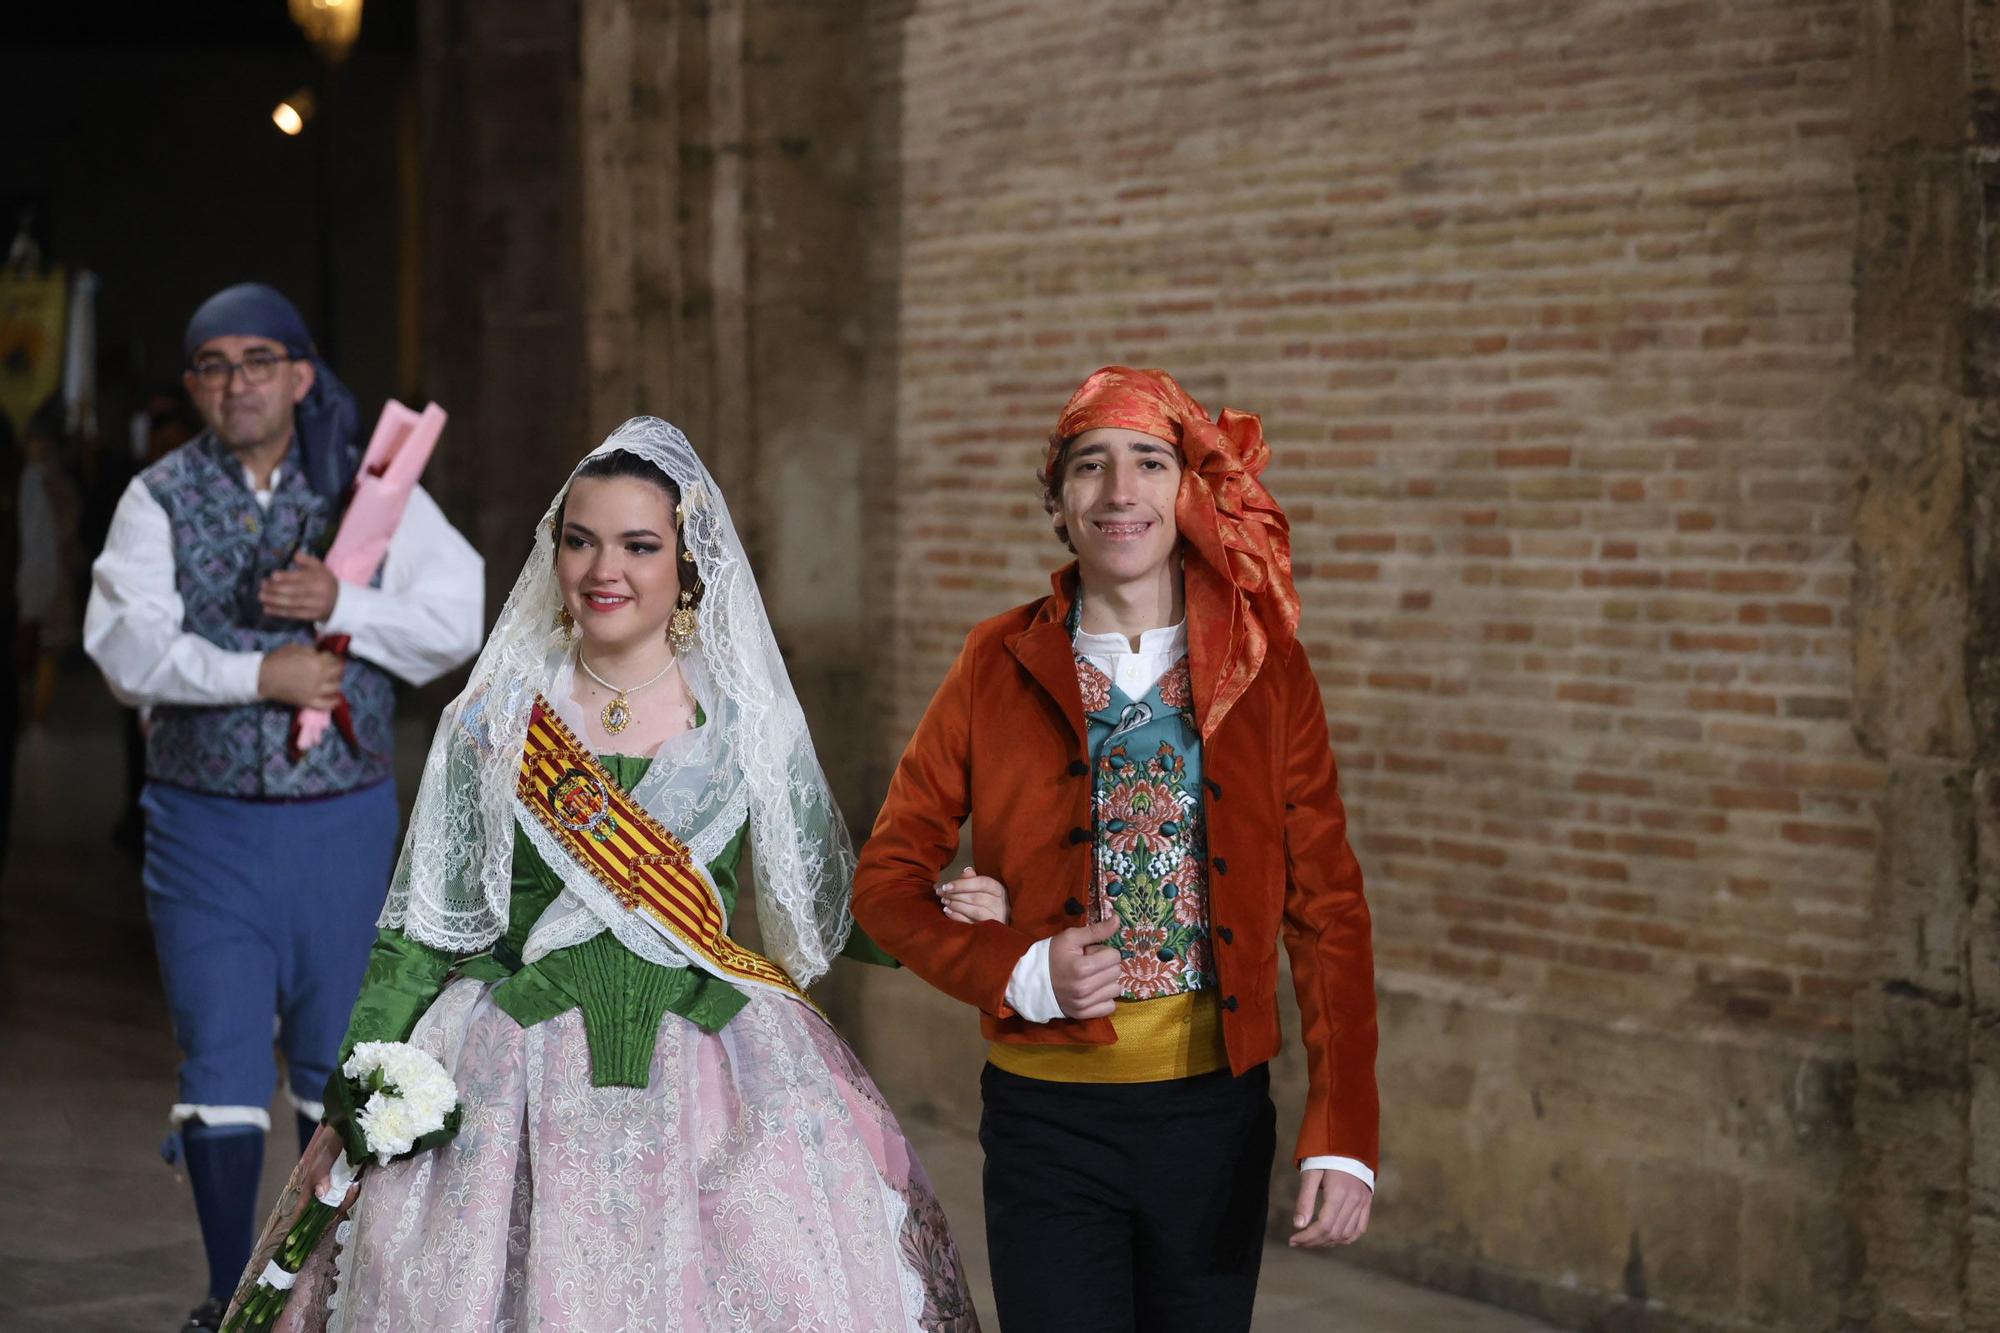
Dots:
(622, 996)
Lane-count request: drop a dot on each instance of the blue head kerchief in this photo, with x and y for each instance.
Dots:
(328, 435)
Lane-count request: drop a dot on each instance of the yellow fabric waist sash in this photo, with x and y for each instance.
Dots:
(634, 856)
(1175, 1036)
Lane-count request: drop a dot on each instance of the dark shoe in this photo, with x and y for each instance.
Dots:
(206, 1317)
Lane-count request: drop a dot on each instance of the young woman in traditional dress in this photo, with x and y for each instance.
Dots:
(660, 1131)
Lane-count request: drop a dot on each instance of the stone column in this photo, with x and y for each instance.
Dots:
(504, 287)
(1982, 1293)
(1927, 1103)
(659, 208)
(662, 241)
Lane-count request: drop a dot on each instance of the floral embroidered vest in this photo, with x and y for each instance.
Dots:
(1150, 849)
(225, 545)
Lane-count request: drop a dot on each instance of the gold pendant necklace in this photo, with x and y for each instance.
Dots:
(617, 715)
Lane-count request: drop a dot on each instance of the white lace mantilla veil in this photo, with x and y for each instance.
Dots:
(752, 758)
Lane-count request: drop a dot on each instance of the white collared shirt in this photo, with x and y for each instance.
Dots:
(1031, 992)
(1134, 670)
(425, 618)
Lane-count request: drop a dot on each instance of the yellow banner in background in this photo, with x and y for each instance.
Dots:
(32, 310)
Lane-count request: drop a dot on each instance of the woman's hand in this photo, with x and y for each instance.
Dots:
(318, 1161)
(973, 897)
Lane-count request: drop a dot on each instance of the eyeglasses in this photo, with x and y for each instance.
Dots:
(216, 371)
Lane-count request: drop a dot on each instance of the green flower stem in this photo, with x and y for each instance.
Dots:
(261, 1308)
(305, 1235)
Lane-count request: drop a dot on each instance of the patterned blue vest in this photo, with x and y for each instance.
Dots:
(1150, 858)
(224, 547)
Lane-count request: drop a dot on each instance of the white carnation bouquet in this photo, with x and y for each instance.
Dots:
(391, 1101)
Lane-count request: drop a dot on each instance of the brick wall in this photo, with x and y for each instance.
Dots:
(1547, 309)
(1547, 315)
(1626, 365)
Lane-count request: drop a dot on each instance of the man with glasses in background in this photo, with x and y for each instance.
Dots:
(211, 609)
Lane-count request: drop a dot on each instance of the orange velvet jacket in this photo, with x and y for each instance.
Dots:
(1003, 743)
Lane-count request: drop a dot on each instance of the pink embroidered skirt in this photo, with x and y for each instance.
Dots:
(758, 1182)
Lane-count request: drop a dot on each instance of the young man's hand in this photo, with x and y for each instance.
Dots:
(1084, 971)
(1332, 1209)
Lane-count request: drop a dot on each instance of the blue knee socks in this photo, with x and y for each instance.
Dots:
(225, 1164)
(307, 1128)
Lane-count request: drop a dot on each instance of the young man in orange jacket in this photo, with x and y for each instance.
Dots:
(1144, 758)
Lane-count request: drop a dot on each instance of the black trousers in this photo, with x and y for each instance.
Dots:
(1126, 1207)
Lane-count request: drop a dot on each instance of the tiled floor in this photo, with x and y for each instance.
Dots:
(96, 1234)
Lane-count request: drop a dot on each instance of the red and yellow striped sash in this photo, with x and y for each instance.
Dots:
(630, 853)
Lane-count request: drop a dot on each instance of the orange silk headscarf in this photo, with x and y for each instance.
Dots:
(1237, 571)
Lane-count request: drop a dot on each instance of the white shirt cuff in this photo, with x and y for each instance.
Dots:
(1359, 1170)
(1031, 991)
(236, 676)
(350, 608)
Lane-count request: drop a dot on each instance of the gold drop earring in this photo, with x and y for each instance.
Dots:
(683, 623)
(565, 622)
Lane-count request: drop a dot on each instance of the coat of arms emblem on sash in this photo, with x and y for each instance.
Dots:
(581, 803)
